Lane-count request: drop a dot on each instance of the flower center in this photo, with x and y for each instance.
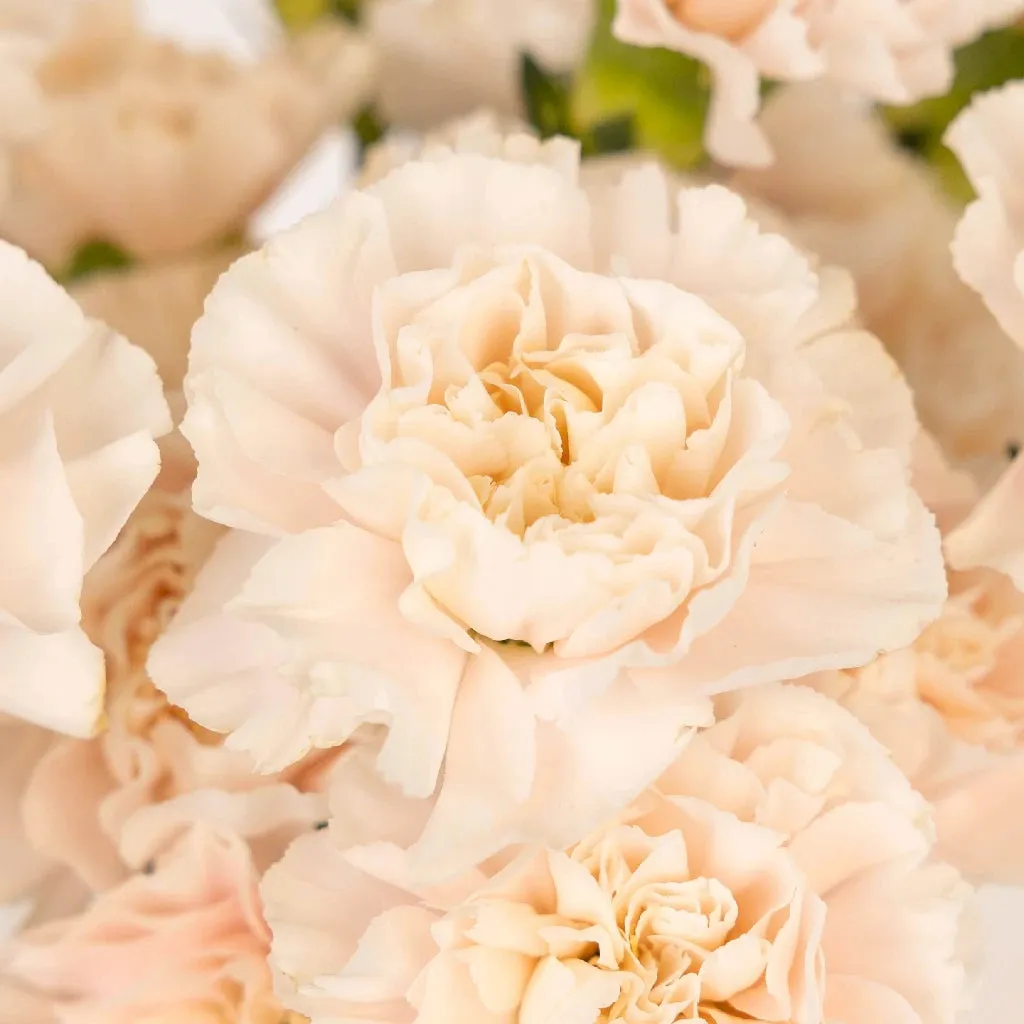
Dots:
(669, 926)
(555, 410)
(580, 452)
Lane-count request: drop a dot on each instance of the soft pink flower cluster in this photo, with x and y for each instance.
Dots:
(562, 613)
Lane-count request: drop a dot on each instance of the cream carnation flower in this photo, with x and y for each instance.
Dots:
(780, 871)
(186, 944)
(989, 245)
(81, 407)
(444, 58)
(160, 150)
(625, 453)
(849, 194)
(894, 51)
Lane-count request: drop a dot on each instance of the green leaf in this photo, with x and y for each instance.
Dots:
(299, 14)
(546, 99)
(616, 135)
(369, 128)
(665, 94)
(94, 257)
(350, 10)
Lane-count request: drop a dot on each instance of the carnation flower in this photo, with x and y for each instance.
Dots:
(186, 943)
(950, 708)
(989, 245)
(781, 870)
(444, 58)
(893, 51)
(159, 150)
(77, 452)
(848, 193)
(115, 802)
(522, 475)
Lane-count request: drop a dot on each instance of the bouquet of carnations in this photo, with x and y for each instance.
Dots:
(569, 570)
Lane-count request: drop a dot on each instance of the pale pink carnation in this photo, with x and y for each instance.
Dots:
(950, 708)
(893, 51)
(112, 803)
(627, 453)
(160, 150)
(781, 870)
(989, 245)
(186, 944)
(850, 194)
(81, 407)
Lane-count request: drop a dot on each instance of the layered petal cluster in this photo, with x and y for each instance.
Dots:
(113, 803)
(781, 870)
(989, 246)
(893, 51)
(522, 473)
(444, 58)
(79, 412)
(186, 943)
(891, 225)
(159, 150)
(950, 708)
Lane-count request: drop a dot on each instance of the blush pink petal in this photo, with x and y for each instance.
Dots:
(992, 535)
(979, 828)
(186, 942)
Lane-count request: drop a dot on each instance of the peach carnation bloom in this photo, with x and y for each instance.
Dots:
(186, 944)
(443, 58)
(81, 408)
(160, 150)
(893, 51)
(848, 193)
(781, 870)
(105, 805)
(989, 245)
(522, 475)
(950, 707)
